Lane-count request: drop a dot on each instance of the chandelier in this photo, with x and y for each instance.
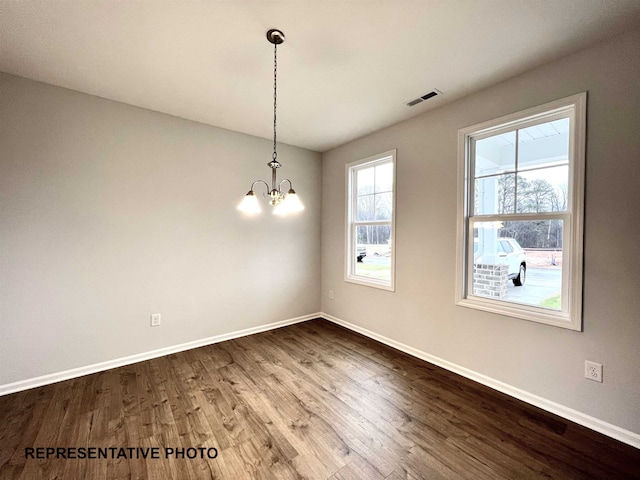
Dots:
(283, 203)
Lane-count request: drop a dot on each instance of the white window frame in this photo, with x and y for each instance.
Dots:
(570, 315)
(351, 170)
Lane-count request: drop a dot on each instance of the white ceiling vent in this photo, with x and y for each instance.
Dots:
(424, 97)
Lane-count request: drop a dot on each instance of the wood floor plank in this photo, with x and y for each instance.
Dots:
(116, 467)
(357, 469)
(312, 400)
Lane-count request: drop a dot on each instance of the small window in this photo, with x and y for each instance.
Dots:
(370, 221)
(520, 210)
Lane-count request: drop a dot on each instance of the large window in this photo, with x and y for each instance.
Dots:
(370, 221)
(520, 214)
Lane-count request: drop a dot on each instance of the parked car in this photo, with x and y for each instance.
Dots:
(513, 255)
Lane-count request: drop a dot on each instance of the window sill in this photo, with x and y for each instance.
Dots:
(370, 282)
(524, 312)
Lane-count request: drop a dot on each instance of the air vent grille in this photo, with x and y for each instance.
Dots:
(424, 97)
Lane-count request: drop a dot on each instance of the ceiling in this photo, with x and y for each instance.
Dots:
(347, 68)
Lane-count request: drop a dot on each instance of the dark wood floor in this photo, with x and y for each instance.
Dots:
(313, 401)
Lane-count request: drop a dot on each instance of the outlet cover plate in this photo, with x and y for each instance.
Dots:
(155, 319)
(593, 371)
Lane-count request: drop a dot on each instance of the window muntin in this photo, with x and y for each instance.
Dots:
(521, 183)
(370, 221)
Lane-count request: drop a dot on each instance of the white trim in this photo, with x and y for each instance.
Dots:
(139, 357)
(613, 431)
(536, 115)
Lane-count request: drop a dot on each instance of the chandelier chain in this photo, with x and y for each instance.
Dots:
(275, 95)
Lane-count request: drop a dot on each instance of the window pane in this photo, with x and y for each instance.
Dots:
(365, 178)
(384, 177)
(495, 195)
(519, 261)
(495, 154)
(365, 210)
(505, 245)
(543, 145)
(383, 206)
(373, 251)
(543, 190)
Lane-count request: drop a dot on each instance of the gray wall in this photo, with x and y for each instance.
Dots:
(542, 360)
(109, 213)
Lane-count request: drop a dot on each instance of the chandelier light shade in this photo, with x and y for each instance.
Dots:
(282, 203)
(249, 203)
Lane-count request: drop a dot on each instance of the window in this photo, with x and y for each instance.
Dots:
(520, 211)
(370, 221)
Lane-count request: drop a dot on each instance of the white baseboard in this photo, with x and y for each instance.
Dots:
(625, 436)
(139, 357)
(580, 418)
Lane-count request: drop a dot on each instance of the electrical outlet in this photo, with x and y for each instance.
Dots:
(593, 371)
(330, 294)
(155, 319)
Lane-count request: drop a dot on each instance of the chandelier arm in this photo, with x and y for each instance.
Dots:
(285, 180)
(262, 182)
